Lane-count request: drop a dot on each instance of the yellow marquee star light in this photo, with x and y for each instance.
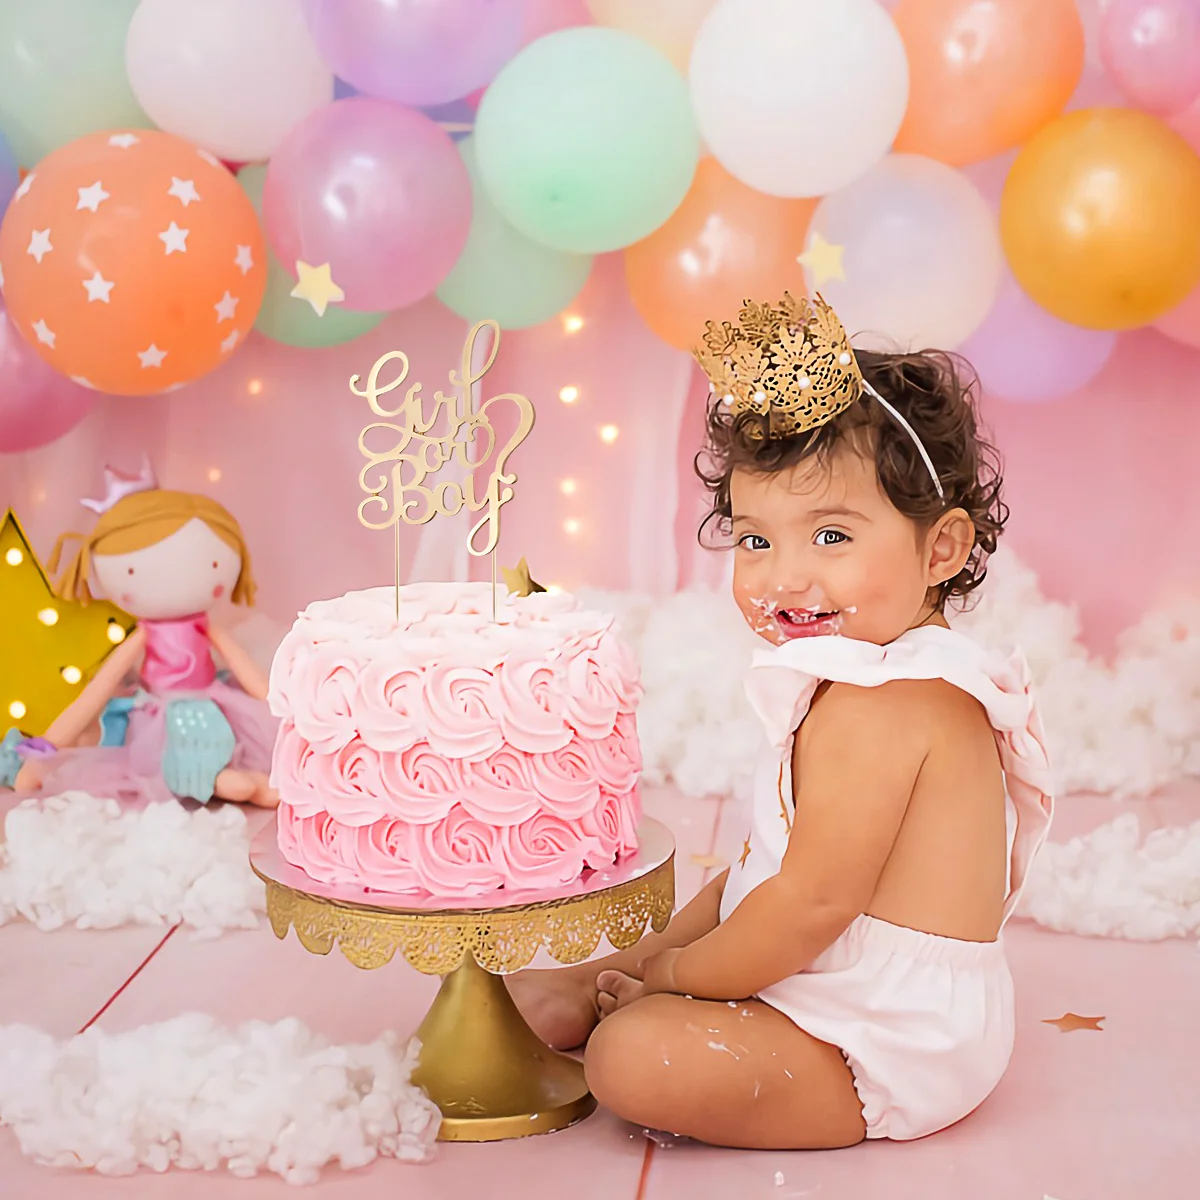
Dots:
(49, 647)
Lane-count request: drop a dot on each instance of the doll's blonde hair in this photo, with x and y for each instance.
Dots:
(144, 519)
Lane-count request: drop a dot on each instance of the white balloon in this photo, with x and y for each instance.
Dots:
(232, 76)
(920, 254)
(798, 97)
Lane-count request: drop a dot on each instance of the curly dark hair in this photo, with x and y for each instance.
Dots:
(936, 394)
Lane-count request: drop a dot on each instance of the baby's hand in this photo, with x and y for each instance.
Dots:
(616, 990)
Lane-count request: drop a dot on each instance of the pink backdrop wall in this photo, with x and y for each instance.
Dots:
(1103, 484)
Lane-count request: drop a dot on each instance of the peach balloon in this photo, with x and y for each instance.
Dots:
(668, 24)
(725, 244)
(985, 75)
(133, 262)
(1099, 218)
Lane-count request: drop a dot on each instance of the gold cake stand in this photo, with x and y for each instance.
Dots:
(481, 1064)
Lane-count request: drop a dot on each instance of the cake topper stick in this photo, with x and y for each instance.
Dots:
(405, 451)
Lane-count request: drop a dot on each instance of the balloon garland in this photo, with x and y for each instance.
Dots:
(726, 147)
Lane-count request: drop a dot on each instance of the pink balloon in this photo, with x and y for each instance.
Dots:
(1023, 353)
(1182, 323)
(1151, 48)
(378, 192)
(414, 51)
(37, 404)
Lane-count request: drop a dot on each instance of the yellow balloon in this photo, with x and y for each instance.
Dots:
(668, 24)
(1100, 218)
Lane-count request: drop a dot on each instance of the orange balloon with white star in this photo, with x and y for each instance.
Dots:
(132, 261)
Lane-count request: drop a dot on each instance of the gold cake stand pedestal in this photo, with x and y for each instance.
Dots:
(481, 1064)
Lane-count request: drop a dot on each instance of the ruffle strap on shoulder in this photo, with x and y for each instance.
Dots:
(781, 684)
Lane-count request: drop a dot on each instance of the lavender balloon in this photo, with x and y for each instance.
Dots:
(1151, 48)
(414, 51)
(1023, 353)
(378, 192)
(37, 404)
(10, 175)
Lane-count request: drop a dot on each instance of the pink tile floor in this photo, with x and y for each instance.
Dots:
(1109, 1115)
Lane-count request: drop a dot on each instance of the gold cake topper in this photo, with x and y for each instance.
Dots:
(519, 581)
(790, 362)
(407, 448)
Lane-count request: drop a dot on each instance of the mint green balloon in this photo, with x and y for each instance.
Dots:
(62, 73)
(504, 275)
(586, 139)
(282, 317)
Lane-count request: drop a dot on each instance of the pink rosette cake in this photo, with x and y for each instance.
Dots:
(450, 753)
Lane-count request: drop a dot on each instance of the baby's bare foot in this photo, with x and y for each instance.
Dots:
(616, 990)
(557, 1005)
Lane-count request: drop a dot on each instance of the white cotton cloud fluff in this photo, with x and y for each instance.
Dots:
(75, 859)
(1124, 728)
(1111, 883)
(194, 1095)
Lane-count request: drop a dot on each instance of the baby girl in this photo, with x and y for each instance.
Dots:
(846, 978)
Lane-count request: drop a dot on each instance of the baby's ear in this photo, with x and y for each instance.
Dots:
(951, 541)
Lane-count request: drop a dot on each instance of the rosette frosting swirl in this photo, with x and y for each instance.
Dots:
(451, 753)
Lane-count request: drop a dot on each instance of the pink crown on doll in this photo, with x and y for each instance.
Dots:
(118, 485)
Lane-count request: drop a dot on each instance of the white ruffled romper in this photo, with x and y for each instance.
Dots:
(925, 1022)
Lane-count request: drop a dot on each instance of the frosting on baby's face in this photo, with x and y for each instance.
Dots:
(821, 550)
(186, 573)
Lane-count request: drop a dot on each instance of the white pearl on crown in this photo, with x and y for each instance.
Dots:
(844, 360)
(727, 400)
(760, 396)
(805, 381)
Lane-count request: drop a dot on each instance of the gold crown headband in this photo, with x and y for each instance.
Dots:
(792, 363)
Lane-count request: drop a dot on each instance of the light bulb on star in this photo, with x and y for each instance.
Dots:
(50, 646)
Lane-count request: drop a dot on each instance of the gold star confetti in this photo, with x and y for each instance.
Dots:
(745, 854)
(1071, 1022)
(50, 647)
(317, 287)
(518, 580)
(823, 259)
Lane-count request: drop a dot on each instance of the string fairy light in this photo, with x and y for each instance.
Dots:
(568, 394)
(609, 433)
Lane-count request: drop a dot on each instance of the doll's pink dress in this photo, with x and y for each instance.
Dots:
(178, 665)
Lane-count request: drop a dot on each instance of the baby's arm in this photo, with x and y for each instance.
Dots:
(861, 751)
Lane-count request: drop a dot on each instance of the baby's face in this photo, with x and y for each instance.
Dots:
(821, 550)
(184, 574)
